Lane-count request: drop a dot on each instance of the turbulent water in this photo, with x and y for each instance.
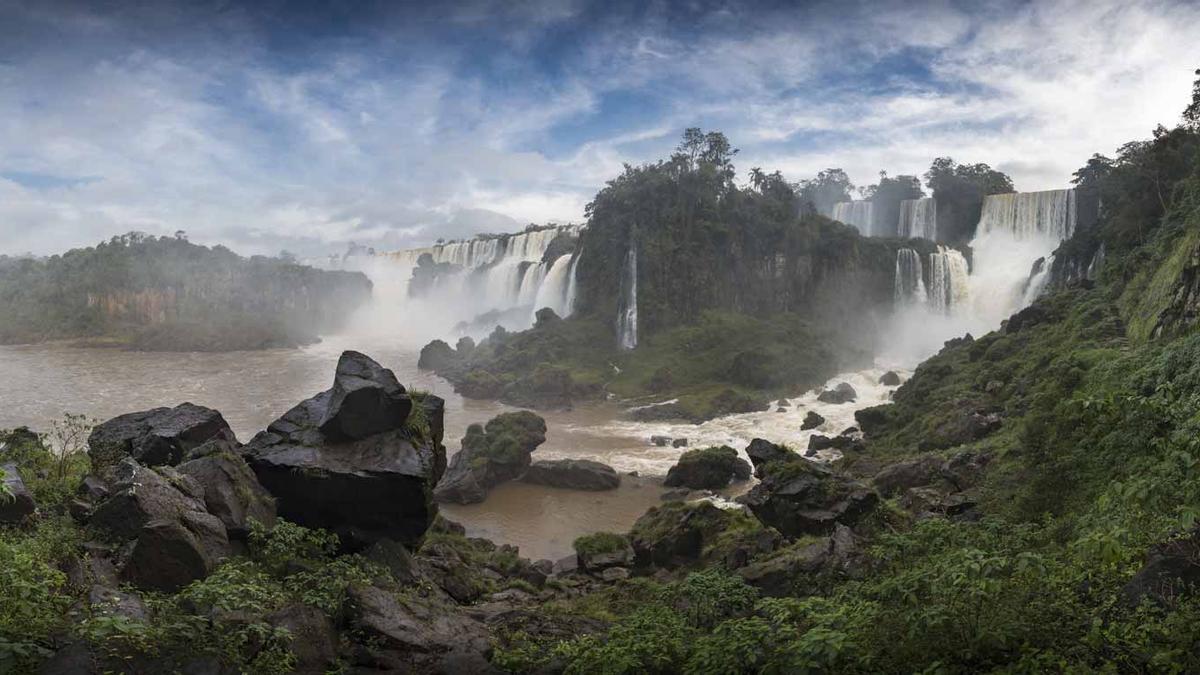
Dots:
(859, 213)
(918, 218)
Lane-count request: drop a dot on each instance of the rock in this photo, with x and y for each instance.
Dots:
(677, 534)
(395, 558)
(762, 451)
(572, 474)
(660, 441)
(873, 419)
(443, 525)
(912, 473)
(171, 553)
(362, 489)
(156, 437)
(800, 498)
(411, 634)
(679, 443)
(1171, 572)
(566, 565)
(842, 393)
(890, 379)
(777, 575)
(811, 421)
(783, 403)
(707, 469)
(1026, 318)
(614, 574)
(140, 495)
(491, 455)
(92, 488)
(231, 492)
(107, 601)
(365, 400)
(438, 355)
(602, 550)
(314, 640)
(817, 442)
(16, 501)
(449, 569)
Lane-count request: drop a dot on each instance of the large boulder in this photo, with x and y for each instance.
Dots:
(313, 638)
(890, 379)
(231, 492)
(158, 436)
(437, 356)
(16, 502)
(911, 473)
(1171, 571)
(761, 452)
(406, 633)
(811, 421)
(800, 498)
(573, 474)
(174, 539)
(842, 393)
(365, 400)
(708, 469)
(602, 550)
(361, 488)
(491, 454)
(679, 534)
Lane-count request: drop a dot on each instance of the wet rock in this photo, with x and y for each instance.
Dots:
(679, 443)
(873, 419)
(811, 421)
(395, 558)
(817, 442)
(777, 575)
(231, 492)
(362, 489)
(842, 393)
(365, 400)
(314, 640)
(993, 386)
(170, 554)
(438, 356)
(800, 498)
(708, 469)
(491, 455)
(572, 474)
(1171, 572)
(158, 436)
(678, 534)
(783, 403)
(660, 441)
(566, 565)
(412, 634)
(890, 379)
(16, 501)
(762, 451)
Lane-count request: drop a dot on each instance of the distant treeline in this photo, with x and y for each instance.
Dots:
(167, 294)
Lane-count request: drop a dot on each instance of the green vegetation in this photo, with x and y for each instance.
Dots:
(166, 294)
(599, 543)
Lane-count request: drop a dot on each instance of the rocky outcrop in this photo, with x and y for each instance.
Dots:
(313, 638)
(890, 379)
(603, 550)
(708, 469)
(902, 476)
(437, 356)
(761, 452)
(572, 474)
(231, 492)
(800, 498)
(791, 570)
(16, 502)
(408, 633)
(325, 473)
(157, 437)
(680, 535)
(490, 455)
(811, 421)
(842, 393)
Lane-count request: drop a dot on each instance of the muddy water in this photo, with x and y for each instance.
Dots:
(40, 383)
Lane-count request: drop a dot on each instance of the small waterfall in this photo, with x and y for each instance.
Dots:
(1097, 262)
(552, 292)
(948, 274)
(859, 213)
(627, 313)
(910, 278)
(1039, 276)
(1025, 215)
(572, 285)
(918, 218)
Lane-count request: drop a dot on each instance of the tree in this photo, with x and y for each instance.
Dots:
(1091, 176)
(828, 188)
(1191, 114)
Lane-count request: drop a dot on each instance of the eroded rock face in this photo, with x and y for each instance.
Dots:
(572, 474)
(708, 469)
(325, 473)
(799, 497)
(158, 436)
(16, 502)
(490, 455)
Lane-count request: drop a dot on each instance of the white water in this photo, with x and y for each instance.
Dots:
(910, 278)
(918, 218)
(859, 213)
(627, 311)
(948, 280)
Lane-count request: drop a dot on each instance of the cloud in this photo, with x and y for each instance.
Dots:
(393, 127)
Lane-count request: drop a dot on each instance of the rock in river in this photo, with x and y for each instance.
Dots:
(490, 455)
(574, 474)
(707, 469)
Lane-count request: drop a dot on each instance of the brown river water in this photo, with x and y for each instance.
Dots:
(251, 389)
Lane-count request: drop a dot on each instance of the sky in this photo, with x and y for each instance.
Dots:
(267, 125)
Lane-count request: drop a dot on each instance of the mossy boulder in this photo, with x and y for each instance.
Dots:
(708, 469)
(602, 550)
(800, 498)
(490, 455)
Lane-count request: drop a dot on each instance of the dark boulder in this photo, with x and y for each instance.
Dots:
(777, 575)
(800, 498)
(872, 420)
(708, 469)
(365, 400)
(231, 492)
(817, 442)
(763, 451)
(313, 640)
(438, 356)
(603, 550)
(156, 437)
(573, 474)
(911, 473)
(842, 393)
(811, 421)
(1171, 571)
(396, 559)
(678, 535)
(890, 379)
(660, 441)
(1026, 318)
(362, 489)
(407, 633)
(490, 455)
(16, 502)
(679, 443)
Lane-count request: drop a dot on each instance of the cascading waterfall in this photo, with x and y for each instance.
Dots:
(1051, 213)
(859, 213)
(552, 292)
(910, 277)
(572, 285)
(918, 218)
(948, 275)
(627, 313)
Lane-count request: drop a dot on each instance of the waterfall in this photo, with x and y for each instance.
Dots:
(947, 280)
(859, 213)
(1097, 262)
(918, 218)
(910, 281)
(552, 292)
(572, 285)
(1050, 214)
(627, 313)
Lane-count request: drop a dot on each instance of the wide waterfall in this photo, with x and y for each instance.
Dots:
(1050, 214)
(910, 277)
(948, 275)
(627, 311)
(859, 213)
(918, 218)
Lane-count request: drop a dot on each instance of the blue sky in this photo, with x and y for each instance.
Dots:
(306, 125)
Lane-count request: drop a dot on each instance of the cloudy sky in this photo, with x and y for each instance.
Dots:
(269, 124)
